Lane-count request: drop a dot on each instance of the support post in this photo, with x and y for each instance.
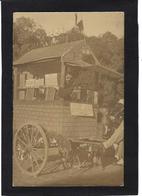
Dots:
(62, 82)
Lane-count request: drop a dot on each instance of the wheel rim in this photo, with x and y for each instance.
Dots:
(30, 148)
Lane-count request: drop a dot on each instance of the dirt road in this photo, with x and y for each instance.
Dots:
(112, 175)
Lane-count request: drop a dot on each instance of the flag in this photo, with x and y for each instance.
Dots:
(80, 25)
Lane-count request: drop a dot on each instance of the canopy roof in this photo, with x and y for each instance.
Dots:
(53, 51)
(59, 50)
(97, 67)
(78, 63)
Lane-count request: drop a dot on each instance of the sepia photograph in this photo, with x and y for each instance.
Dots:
(68, 99)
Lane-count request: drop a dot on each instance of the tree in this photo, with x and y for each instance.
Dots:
(109, 50)
(72, 35)
(39, 38)
(26, 36)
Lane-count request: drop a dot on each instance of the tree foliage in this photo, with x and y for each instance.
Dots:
(107, 48)
(26, 36)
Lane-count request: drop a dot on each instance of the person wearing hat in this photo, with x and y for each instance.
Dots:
(114, 117)
(117, 115)
(115, 143)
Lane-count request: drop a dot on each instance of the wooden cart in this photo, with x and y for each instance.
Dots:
(44, 128)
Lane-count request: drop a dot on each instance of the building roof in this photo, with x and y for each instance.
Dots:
(53, 51)
(112, 72)
(78, 63)
(59, 50)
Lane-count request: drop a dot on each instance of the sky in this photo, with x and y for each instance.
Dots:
(95, 23)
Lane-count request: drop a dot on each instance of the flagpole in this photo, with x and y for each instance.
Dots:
(75, 19)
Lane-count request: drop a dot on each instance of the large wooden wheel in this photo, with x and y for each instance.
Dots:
(30, 148)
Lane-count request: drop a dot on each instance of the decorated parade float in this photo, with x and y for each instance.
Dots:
(58, 93)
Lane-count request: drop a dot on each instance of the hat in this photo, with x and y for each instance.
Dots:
(121, 101)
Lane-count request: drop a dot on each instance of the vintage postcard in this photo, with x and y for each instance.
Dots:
(68, 105)
(69, 98)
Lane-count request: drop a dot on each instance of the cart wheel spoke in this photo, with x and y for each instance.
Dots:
(39, 155)
(26, 133)
(35, 159)
(29, 133)
(21, 141)
(23, 134)
(35, 138)
(32, 134)
(32, 163)
(26, 163)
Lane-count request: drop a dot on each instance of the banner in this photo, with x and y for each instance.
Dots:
(80, 109)
(51, 80)
(30, 83)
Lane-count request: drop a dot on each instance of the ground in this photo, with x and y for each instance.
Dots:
(112, 175)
